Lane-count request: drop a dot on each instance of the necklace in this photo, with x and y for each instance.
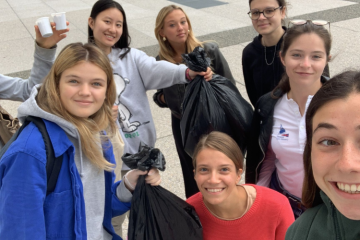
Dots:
(225, 219)
(265, 54)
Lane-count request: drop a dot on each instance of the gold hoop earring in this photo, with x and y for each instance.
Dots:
(188, 30)
(164, 39)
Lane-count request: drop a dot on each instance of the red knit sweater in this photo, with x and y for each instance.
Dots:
(268, 218)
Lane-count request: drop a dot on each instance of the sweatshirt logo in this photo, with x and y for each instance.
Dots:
(124, 113)
(282, 135)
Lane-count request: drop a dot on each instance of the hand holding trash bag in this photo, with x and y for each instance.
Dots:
(152, 177)
(213, 105)
(156, 213)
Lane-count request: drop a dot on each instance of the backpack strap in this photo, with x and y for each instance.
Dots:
(53, 165)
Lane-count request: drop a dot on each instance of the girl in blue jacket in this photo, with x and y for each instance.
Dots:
(75, 104)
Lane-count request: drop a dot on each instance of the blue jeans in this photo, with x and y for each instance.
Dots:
(294, 201)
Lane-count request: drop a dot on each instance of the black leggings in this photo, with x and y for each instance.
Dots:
(185, 160)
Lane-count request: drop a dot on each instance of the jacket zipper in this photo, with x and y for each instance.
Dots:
(336, 223)
(256, 170)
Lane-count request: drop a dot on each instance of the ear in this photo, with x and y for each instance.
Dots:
(240, 171)
(91, 23)
(162, 33)
(282, 59)
(283, 13)
(329, 58)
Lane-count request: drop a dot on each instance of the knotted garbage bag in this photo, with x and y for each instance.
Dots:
(156, 213)
(216, 105)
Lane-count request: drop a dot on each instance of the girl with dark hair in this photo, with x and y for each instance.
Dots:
(74, 103)
(262, 67)
(134, 71)
(227, 209)
(176, 37)
(331, 189)
(278, 129)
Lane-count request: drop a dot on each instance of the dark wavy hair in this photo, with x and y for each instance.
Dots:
(125, 39)
(338, 87)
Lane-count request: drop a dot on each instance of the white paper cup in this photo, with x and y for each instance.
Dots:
(60, 20)
(44, 26)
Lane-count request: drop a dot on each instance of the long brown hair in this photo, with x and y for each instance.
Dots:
(290, 36)
(223, 143)
(48, 99)
(339, 87)
(166, 50)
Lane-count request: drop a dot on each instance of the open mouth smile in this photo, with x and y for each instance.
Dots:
(348, 188)
(214, 190)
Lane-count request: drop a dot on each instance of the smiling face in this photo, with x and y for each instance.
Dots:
(335, 153)
(107, 28)
(175, 27)
(268, 26)
(216, 177)
(83, 89)
(305, 60)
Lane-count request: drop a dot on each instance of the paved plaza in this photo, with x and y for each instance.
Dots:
(225, 21)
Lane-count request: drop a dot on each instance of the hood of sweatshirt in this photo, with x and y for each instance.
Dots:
(31, 108)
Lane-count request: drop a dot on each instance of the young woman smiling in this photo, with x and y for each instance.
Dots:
(331, 188)
(75, 104)
(262, 67)
(175, 36)
(278, 129)
(228, 210)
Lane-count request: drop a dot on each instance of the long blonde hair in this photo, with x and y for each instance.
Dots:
(166, 50)
(48, 99)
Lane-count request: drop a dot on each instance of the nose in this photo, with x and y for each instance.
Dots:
(84, 90)
(180, 26)
(262, 16)
(214, 178)
(112, 28)
(349, 161)
(305, 62)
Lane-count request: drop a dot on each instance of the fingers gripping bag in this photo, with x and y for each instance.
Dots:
(213, 105)
(156, 213)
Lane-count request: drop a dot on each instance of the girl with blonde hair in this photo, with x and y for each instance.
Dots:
(75, 104)
(175, 35)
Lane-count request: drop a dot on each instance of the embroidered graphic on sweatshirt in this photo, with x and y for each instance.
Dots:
(282, 135)
(124, 113)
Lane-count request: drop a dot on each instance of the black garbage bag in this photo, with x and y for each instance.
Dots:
(156, 213)
(216, 105)
(146, 158)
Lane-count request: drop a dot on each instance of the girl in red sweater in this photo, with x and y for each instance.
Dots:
(228, 210)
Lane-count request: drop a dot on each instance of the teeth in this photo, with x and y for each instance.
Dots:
(349, 188)
(214, 189)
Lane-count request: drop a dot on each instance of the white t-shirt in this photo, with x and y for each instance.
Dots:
(286, 147)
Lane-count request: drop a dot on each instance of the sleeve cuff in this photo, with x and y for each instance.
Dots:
(45, 53)
(123, 194)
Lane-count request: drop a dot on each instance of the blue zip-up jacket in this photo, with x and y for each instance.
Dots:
(25, 210)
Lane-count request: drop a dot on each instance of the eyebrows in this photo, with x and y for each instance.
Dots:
(324, 125)
(206, 165)
(299, 50)
(172, 20)
(78, 77)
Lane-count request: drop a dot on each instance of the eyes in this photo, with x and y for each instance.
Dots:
(221, 170)
(328, 142)
(182, 23)
(108, 22)
(299, 55)
(94, 84)
(267, 12)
